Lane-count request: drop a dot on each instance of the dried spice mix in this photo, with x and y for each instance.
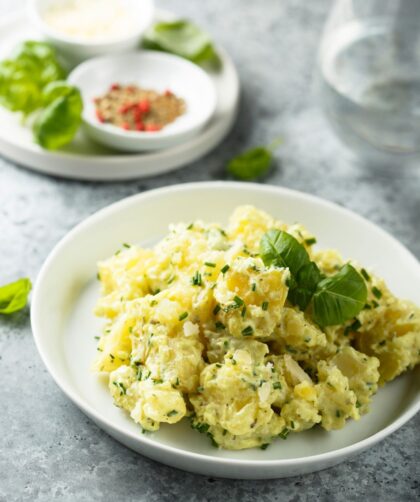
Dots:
(135, 109)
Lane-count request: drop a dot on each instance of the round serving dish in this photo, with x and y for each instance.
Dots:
(64, 326)
(77, 48)
(149, 70)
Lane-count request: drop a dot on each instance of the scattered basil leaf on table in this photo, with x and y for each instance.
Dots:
(253, 163)
(250, 164)
(334, 299)
(183, 38)
(14, 296)
(340, 297)
(59, 121)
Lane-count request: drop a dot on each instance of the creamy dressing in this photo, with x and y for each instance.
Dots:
(90, 19)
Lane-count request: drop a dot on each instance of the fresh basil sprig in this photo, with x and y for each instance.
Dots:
(340, 297)
(334, 299)
(185, 39)
(14, 296)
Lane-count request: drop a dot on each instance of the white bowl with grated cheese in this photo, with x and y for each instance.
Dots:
(86, 28)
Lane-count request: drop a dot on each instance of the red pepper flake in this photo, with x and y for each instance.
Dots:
(126, 126)
(144, 106)
(168, 92)
(115, 87)
(139, 126)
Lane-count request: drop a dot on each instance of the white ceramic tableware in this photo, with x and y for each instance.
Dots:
(64, 325)
(76, 48)
(153, 70)
(87, 160)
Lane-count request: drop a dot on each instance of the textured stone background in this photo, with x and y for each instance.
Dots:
(48, 449)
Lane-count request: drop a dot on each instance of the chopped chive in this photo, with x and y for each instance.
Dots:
(243, 311)
(239, 302)
(225, 269)
(377, 292)
(219, 325)
(171, 413)
(248, 331)
(375, 303)
(226, 344)
(383, 342)
(98, 276)
(292, 424)
(190, 226)
(218, 365)
(264, 305)
(366, 276)
(97, 337)
(183, 316)
(310, 241)
(338, 413)
(126, 245)
(209, 264)
(358, 405)
(196, 279)
(264, 446)
(276, 385)
(217, 309)
(284, 433)
(254, 286)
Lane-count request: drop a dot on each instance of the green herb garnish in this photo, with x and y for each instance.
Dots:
(224, 269)
(183, 316)
(184, 39)
(14, 296)
(196, 279)
(377, 292)
(172, 413)
(209, 264)
(264, 305)
(248, 331)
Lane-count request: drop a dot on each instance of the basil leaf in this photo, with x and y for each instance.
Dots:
(14, 296)
(184, 39)
(57, 124)
(340, 297)
(251, 164)
(283, 250)
(306, 283)
(23, 77)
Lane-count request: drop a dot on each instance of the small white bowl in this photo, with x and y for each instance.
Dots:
(149, 70)
(77, 49)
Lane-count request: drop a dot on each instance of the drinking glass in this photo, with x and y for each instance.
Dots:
(369, 67)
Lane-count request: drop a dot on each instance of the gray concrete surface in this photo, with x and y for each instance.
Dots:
(48, 449)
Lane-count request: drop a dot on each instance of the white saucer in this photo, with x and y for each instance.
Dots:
(84, 159)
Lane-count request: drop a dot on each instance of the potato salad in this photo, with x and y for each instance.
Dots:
(249, 331)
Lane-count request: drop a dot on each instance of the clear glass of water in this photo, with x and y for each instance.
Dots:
(369, 62)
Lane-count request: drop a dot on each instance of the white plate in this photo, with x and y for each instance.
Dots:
(64, 326)
(151, 70)
(84, 159)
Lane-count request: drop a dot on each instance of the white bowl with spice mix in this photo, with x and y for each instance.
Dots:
(144, 100)
(82, 29)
